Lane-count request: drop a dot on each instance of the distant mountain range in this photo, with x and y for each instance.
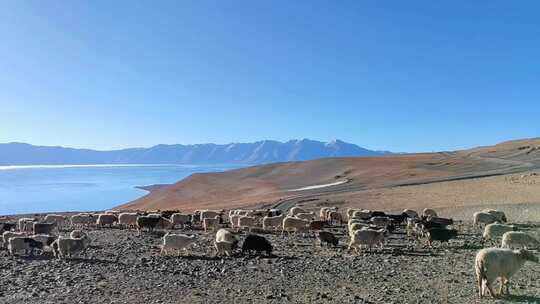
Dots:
(261, 152)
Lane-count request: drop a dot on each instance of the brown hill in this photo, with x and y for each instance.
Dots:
(280, 184)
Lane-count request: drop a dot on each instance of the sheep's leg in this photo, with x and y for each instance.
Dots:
(480, 286)
(490, 289)
(506, 285)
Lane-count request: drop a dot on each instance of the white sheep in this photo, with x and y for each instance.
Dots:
(60, 220)
(176, 242)
(295, 224)
(25, 244)
(82, 219)
(106, 219)
(225, 242)
(323, 213)
(429, 212)
(209, 214)
(180, 219)
(310, 216)
(210, 223)
(246, 222)
(67, 247)
(366, 237)
(482, 217)
(351, 211)
(518, 239)
(495, 230)
(362, 214)
(356, 226)
(272, 221)
(25, 224)
(493, 263)
(234, 220)
(128, 219)
(9, 234)
(295, 210)
(499, 215)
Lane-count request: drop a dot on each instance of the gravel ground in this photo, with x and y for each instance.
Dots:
(122, 267)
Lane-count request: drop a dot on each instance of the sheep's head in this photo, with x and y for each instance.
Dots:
(527, 255)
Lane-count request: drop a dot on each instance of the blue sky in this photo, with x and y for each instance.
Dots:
(395, 75)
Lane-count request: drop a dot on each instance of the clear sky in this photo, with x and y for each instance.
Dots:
(395, 75)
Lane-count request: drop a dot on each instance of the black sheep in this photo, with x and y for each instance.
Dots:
(256, 243)
(442, 235)
(328, 238)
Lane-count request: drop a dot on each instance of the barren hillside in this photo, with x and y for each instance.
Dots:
(348, 180)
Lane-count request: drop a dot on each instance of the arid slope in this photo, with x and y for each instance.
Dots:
(272, 184)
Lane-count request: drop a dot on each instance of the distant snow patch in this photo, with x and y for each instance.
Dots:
(319, 186)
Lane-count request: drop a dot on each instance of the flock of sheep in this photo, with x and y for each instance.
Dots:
(366, 229)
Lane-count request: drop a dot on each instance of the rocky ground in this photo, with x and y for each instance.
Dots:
(122, 267)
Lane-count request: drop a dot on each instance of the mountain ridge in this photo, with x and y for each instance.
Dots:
(259, 152)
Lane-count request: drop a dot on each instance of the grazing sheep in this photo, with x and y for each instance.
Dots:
(106, 219)
(482, 217)
(82, 219)
(295, 210)
(499, 215)
(310, 216)
(44, 228)
(9, 234)
(152, 222)
(295, 224)
(366, 237)
(26, 224)
(356, 226)
(180, 219)
(323, 213)
(328, 238)
(442, 235)
(411, 213)
(225, 242)
(273, 222)
(60, 220)
(176, 242)
(128, 219)
(494, 231)
(334, 217)
(234, 220)
(363, 214)
(210, 214)
(45, 239)
(210, 223)
(256, 243)
(351, 211)
(518, 239)
(428, 212)
(25, 244)
(493, 263)
(247, 222)
(67, 247)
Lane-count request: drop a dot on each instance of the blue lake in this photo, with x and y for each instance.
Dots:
(29, 189)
